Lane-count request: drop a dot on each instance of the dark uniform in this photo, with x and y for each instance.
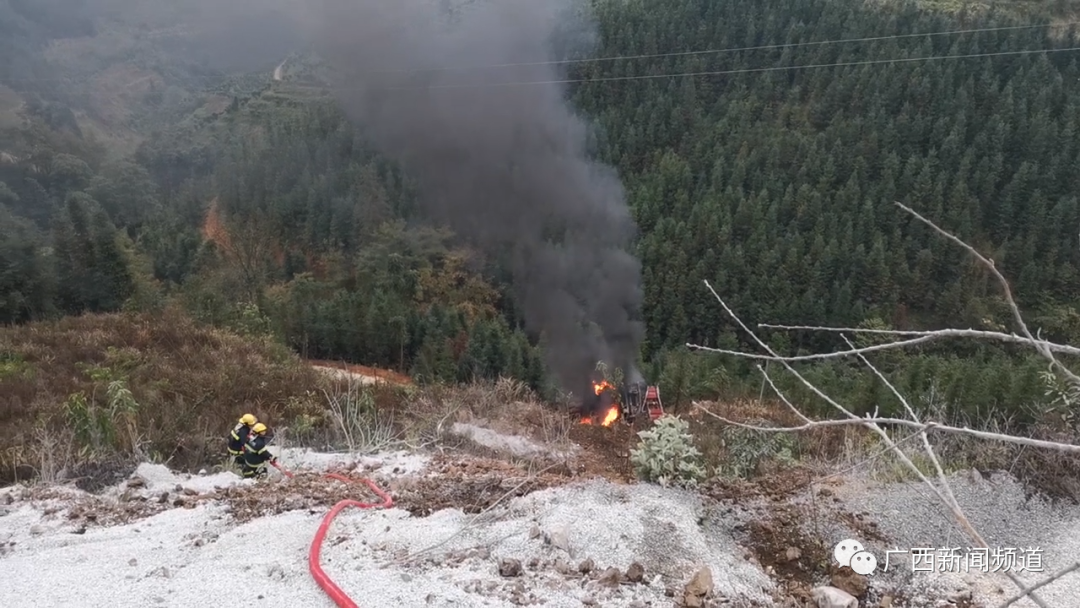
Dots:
(237, 438)
(256, 455)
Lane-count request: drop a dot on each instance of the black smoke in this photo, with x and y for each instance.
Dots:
(506, 166)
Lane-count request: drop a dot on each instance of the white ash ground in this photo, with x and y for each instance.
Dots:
(515, 445)
(198, 556)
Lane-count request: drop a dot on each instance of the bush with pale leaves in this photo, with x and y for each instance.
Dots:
(666, 454)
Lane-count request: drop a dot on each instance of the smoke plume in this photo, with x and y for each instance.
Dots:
(504, 165)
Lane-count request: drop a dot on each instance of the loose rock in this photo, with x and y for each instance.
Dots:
(850, 581)
(699, 588)
(831, 597)
(635, 573)
(276, 572)
(964, 595)
(611, 577)
(509, 567)
(559, 539)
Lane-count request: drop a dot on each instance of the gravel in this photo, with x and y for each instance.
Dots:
(199, 556)
(389, 463)
(998, 507)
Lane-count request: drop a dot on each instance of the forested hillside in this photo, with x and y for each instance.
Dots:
(266, 211)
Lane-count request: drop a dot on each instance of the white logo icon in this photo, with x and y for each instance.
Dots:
(864, 563)
(852, 554)
(844, 551)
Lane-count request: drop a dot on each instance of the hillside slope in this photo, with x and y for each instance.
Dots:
(85, 395)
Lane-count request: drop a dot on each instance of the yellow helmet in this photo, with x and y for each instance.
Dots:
(259, 428)
(248, 419)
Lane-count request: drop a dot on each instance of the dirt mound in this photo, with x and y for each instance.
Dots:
(607, 449)
(84, 511)
(96, 477)
(470, 484)
(467, 483)
(304, 491)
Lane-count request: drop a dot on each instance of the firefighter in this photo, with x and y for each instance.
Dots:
(239, 436)
(256, 454)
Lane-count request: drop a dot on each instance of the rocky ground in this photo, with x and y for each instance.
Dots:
(511, 522)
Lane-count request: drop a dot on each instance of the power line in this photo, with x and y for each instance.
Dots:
(672, 54)
(726, 50)
(711, 72)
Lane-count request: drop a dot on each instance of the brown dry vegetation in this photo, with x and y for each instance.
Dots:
(189, 383)
(824, 450)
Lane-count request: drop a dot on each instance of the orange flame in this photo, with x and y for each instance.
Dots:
(613, 412)
(599, 388)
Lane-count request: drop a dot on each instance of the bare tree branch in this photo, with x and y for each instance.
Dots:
(916, 426)
(873, 422)
(944, 493)
(819, 356)
(932, 335)
(1019, 318)
(942, 489)
(1019, 596)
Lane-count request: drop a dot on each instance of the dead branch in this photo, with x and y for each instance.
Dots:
(931, 335)
(915, 426)
(818, 356)
(1013, 306)
(942, 489)
(1046, 581)
(945, 492)
(873, 424)
(853, 419)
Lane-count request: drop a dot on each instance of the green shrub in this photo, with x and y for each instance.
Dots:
(747, 449)
(667, 454)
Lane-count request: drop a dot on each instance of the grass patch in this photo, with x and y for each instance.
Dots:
(162, 388)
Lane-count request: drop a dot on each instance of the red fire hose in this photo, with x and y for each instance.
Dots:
(327, 585)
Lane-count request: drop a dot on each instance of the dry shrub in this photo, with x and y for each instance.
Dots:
(188, 383)
(1051, 473)
(504, 405)
(731, 450)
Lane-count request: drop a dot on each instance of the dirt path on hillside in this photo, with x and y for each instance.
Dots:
(366, 375)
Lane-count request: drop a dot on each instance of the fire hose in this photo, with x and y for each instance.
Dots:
(340, 597)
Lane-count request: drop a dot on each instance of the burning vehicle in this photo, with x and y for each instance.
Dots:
(609, 404)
